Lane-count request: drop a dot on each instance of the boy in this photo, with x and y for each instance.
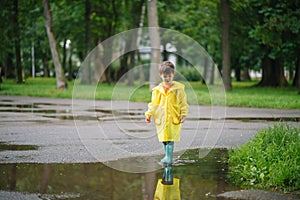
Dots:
(169, 109)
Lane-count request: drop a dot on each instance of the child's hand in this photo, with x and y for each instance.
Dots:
(148, 119)
(182, 119)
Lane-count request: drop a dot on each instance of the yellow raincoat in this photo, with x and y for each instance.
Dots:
(166, 109)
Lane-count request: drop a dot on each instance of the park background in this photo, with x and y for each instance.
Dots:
(248, 40)
(254, 44)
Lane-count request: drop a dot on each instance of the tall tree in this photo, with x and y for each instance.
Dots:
(226, 71)
(6, 46)
(86, 75)
(60, 77)
(17, 42)
(277, 32)
(155, 42)
(296, 81)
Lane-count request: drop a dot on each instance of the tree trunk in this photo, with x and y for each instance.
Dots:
(133, 41)
(107, 57)
(298, 67)
(297, 74)
(155, 42)
(32, 61)
(13, 178)
(137, 19)
(86, 70)
(237, 73)
(64, 60)
(272, 73)
(141, 25)
(212, 74)
(99, 74)
(141, 71)
(165, 54)
(123, 60)
(60, 77)
(149, 186)
(225, 18)
(266, 71)
(291, 73)
(246, 75)
(17, 42)
(296, 79)
(279, 73)
(46, 65)
(70, 65)
(46, 178)
(130, 73)
(9, 70)
(205, 71)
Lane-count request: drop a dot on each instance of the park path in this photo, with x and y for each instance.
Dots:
(80, 131)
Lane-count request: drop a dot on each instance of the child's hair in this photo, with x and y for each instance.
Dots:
(166, 67)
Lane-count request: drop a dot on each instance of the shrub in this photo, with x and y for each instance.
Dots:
(188, 74)
(270, 160)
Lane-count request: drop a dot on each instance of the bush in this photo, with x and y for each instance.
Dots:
(188, 74)
(270, 160)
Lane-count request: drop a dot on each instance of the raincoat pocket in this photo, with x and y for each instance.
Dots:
(176, 120)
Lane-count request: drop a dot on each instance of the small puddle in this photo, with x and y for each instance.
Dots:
(16, 147)
(251, 119)
(194, 178)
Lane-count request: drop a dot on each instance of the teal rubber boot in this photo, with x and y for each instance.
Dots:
(168, 159)
(168, 176)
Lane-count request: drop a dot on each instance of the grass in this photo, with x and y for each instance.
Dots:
(242, 95)
(270, 161)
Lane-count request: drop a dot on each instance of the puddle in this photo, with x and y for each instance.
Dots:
(6, 100)
(64, 113)
(29, 111)
(16, 147)
(118, 112)
(18, 105)
(251, 119)
(194, 178)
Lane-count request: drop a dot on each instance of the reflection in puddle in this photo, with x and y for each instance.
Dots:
(16, 147)
(200, 179)
(167, 187)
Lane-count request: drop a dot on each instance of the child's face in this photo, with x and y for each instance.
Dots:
(167, 78)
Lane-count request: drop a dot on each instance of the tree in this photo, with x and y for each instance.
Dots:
(60, 77)
(6, 46)
(198, 19)
(17, 42)
(277, 33)
(86, 75)
(296, 81)
(225, 18)
(155, 42)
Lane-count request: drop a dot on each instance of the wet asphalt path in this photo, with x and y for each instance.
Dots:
(48, 130)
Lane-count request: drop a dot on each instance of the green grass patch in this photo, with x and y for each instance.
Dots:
(244, 94)
(269, 161)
